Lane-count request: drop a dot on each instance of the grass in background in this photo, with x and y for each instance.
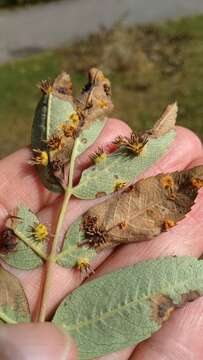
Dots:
(149, 66)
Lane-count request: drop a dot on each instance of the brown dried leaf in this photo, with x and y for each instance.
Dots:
(95, 99)
(143, 210)
(13, 302)
(166, 122)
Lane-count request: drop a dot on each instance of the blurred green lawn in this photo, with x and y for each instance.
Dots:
(149, 66)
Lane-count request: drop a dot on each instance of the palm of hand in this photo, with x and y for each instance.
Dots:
(181, 336)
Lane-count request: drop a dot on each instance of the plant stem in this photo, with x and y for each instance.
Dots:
(52, 256)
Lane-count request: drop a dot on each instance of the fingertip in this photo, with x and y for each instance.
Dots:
(35, 341)
(190, 137)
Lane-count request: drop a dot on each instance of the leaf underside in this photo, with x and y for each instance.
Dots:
(23, 257)
(126, 307)
(13, 303)
(71, 254)
(102, 178)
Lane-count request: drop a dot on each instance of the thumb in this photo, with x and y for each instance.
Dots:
(35, 342)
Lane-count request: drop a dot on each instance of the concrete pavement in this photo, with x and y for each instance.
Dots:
(32, 29)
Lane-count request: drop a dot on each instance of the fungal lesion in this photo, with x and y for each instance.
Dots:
(95, 234)
(161, 308)
(40, 157)
(98, 156)
(119, 184)
(168, 184)
(168, 224)
(196, 183)
(83, 265)
(134, 144)
(55, 142)
(46, 86)
(38, 232)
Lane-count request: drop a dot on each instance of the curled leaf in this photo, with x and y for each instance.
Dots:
(93, 105)
(13, 303)
(166, 122)
(60, 119)
(53, 112)
(134, 156)
(72, 255)
(126, 307)
(143, 210)
(25, 248)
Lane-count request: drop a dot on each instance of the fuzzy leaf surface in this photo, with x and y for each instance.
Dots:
(103, 177)
(126, 307)
(89, 135)
(13, 303)
(71, 254)
(143, 210)
(23, 256)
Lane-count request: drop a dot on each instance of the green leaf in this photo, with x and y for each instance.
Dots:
(89, 135)
(71, 255)
(13, 303)
(28, 254)
(51, 112)
(103, 177)
(126, 307)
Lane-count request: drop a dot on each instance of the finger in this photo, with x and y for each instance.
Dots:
(35, 342)
(179, 339)
(20, 183)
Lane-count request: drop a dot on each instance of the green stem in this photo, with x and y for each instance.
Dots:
(52, 257)
(30, 244)
(7, 320)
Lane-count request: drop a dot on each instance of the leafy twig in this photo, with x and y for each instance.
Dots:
(52, 257)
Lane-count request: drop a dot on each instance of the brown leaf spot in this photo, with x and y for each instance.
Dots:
(84, 266)
(189, 297)
(69, 130)
(162, 308)
(56, 142)
(168, 224)
(75, 118)
(100, 194)
(123, 225)
(196, 183)
(167, 182)
(119, 184)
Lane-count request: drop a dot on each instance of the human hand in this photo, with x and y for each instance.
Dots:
(180, 337)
